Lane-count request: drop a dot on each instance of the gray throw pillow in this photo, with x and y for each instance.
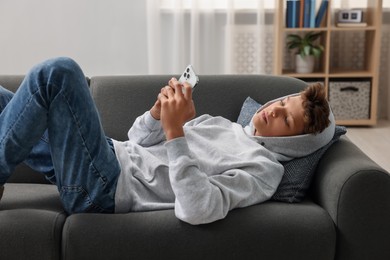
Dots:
(298, 172)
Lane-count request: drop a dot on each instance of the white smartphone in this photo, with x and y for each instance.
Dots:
(189, 76)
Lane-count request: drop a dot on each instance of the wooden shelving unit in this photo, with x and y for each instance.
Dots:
(325, 71)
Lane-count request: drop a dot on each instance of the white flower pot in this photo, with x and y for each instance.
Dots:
(304, 65)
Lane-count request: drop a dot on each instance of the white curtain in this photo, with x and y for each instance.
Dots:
(215, 36)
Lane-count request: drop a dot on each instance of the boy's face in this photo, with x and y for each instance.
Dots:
(282, 118)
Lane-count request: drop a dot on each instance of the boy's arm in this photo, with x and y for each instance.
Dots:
(169, 113)
(146, 131)
(201, 199)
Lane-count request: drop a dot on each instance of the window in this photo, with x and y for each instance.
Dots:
(216, 4)
(252, 4)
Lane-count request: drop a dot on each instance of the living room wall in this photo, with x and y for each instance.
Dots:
(105, 37)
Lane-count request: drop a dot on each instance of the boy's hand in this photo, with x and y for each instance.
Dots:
(155, 111)
(176, 108)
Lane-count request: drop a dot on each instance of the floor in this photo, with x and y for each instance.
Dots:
(374, 141)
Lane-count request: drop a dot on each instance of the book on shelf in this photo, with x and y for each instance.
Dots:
(301, 10)
(351, 24)
(292, 13)
(302, 13)
(321, 12)
(310, 6)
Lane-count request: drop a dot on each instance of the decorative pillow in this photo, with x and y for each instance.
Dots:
(248, 109)
(298, 172)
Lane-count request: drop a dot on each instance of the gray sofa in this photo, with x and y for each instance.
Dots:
(346, 214)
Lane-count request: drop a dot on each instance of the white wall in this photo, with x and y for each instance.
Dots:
(103, 36)
(106, 37)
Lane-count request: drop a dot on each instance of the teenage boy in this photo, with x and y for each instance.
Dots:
(202, 167)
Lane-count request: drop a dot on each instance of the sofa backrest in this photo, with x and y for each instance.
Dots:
(121, 99)
(11, 82)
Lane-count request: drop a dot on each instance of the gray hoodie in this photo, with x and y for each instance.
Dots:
(217, 166)
(290, 147)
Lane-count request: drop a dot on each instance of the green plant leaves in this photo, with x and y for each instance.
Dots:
(305, 45)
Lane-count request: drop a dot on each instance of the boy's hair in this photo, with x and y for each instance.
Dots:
(316, 107)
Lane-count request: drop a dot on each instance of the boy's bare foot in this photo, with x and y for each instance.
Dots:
(1, 191)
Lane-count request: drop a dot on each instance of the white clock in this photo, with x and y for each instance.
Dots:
(350, 16)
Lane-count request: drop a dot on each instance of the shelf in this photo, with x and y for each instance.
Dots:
(317, 29)
(342, 73)
(334, 74)
(357, 122)
(366, 28)
(350, 53)
(291, 73)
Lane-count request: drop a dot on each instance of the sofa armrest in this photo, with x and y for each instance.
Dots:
(356, 193)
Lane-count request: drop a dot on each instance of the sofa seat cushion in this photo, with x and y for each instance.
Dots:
(31, 196)
(31, 217)
(272, 230)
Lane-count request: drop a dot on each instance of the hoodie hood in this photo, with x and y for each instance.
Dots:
(286, 148)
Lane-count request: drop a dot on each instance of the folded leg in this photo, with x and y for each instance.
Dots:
(39, 158)
(55, 96)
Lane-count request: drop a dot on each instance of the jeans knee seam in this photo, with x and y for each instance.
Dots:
(84, 143)
(86, 197)
(18, 118)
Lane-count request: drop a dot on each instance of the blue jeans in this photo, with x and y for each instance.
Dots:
(54, 100)
(39, 158)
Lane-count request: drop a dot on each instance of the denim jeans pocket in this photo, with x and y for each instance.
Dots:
(75, 199)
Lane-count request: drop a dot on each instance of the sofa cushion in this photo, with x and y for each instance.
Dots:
(28, 195)
(31, 222)
(248, 109)
(298, 172)
(271, 230)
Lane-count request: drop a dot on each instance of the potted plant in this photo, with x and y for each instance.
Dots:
(307, 50)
